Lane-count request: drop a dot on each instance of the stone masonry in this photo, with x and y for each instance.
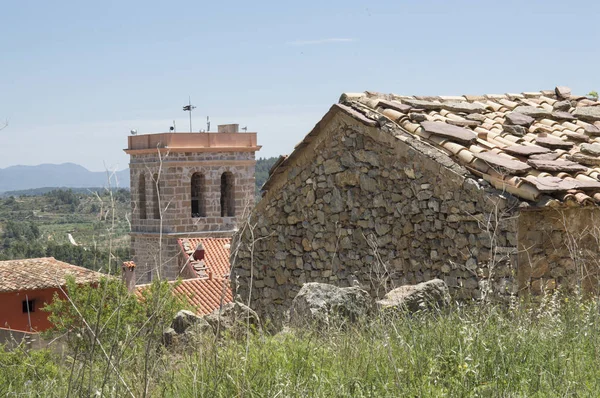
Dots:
(161, 216)
(371, 208)
(362, 201)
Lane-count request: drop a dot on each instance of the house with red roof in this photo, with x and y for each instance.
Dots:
(205, 268)
(28, 285)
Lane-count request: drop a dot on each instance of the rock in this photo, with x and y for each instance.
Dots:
(519, 131)
(525, 150)
(515, 167)
(395, 105)
(476, 117)
(453, 133)
(463, 123)
(590, 149)
(562, 106)
(584, 159)
(576, 136)
(417, 117)
(196, 333)
(562, 92)
(590, 129)
(426, 295)
(552, 142)
(184, 319)
(519, 119)
(531, 111)
(559, 115)
(233, 318)
(321, 303)
(169, 337)
(420, 104)
(556, 165)
(332, 166)
(464, 107)
(587, 113)
(546, 156)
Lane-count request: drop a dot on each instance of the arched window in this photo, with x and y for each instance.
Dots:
(142, 196)
(227, 195)
(156, 201)
(198, 201)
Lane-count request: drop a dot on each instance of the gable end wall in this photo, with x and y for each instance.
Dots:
(359, 204)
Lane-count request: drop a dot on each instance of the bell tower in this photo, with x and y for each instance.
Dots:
(186, 185)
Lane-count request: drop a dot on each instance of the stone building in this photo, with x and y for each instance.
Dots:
(186, 185)
(495, 194)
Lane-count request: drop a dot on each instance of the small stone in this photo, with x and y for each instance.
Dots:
(590, 149)
(519, 131)
(464, 107)
(584, 159)
(417, 117)
(519, 119)
(562, 92)
(590, 129)
(559, 115)
(532, 111)
(332, 166)
(562, 106)
(476, 117)
(587, 113)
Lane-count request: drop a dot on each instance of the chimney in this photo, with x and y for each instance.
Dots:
(128, 275)
(210, 275)
(228, 128)
(198, 253)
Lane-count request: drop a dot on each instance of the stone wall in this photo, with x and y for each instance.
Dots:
(175, 177)
(359, 204)
(155, 256)
(559, 248)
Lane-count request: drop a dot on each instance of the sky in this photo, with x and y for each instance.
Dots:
(77, 76)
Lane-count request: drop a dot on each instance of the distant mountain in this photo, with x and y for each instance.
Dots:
(66, 175)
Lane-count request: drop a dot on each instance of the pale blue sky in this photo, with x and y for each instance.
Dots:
(77, 76)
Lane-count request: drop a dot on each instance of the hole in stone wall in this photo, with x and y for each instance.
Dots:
(198, 190)
(142, 197)
(227, 195)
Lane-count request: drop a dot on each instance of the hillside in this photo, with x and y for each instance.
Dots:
(68, 175)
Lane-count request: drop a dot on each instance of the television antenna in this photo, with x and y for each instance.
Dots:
(188, 108)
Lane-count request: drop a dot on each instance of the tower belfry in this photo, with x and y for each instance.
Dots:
(186, 185)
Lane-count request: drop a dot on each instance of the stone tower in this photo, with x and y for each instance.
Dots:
(186, 185)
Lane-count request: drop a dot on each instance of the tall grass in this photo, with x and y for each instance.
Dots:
(551, 349)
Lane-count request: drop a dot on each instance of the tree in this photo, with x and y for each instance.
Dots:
(593, 94)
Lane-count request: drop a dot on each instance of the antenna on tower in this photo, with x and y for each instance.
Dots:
(188, 108)
(208, 124)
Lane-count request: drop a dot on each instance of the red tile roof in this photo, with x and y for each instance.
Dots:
(203, 294)
(216, 254)
(41, 273)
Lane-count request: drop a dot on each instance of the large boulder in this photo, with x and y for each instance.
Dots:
(320, 304)
(423, 296)
(233, 318)
(185, 319)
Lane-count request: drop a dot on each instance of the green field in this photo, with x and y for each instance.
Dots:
(40, 225)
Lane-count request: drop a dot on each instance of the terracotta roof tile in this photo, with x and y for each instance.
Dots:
(204, 295)
(216, 254)
(41, 273)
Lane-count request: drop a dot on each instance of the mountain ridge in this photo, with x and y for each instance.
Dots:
(68, 175)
